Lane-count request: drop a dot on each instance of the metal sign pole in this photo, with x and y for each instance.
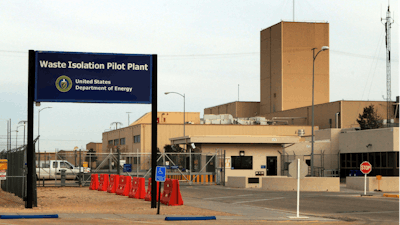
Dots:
(154, 133)
(298, 187)
(30, 154)
(159, 198)
(365, 184)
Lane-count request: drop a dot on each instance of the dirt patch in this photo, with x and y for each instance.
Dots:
(82, 200)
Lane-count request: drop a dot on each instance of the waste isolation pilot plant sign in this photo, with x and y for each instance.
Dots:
(92, 77)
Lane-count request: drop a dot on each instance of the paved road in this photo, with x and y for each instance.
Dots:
(346, 205)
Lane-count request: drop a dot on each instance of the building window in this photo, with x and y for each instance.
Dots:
(136, 160)
(377, 159)
(384, 159)
(122, 141)
(110, 142)
(242, 162)
(397, 159)
(116, 142)
(392, 159)
(136, 139)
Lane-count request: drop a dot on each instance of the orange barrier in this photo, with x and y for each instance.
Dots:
(103, 183)
(124, 185)
(113, 184)
(94, 182)
(171, 194)
(148, 193)
(138, 188)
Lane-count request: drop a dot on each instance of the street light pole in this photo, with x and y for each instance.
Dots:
(312, 108)
(24, 122)
(16, 137)
(39, 134)
(128, 117)
(184, 134)
(184, 119)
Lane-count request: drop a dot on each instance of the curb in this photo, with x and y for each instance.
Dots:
(391, 195)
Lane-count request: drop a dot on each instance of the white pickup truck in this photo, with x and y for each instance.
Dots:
(51, 169)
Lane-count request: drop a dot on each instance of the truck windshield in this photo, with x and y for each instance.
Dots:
(65, 165)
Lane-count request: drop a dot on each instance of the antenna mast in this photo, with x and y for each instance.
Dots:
(388, 26)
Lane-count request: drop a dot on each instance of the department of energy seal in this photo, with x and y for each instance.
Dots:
(63, 83)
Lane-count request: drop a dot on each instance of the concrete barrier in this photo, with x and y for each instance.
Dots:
(283, 183)
(243, 182)
(387, 184)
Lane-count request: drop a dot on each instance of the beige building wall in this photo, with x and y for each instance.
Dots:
(325, 114)
(169, 118)
(286, 63)
(98, 147)
(258, 151)
(351, 110)
(325, 184)
(167, 131)
(236, 109)
(374, 140)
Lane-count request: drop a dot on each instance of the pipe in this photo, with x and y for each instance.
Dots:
(337, 119)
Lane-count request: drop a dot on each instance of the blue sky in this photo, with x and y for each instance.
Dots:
(205, 49)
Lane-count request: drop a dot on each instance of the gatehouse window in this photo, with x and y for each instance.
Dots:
(242, 162)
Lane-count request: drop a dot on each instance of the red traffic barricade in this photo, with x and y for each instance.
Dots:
(124, 185)
(113, 184)
(103, 183)
(138, 188)
(171, 194)
(94, 182)
(148, 193)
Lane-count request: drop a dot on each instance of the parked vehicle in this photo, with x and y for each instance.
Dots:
(51, 169)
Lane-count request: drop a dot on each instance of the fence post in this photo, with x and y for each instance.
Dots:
(137, 162)
(80, 163)
(118, 161)
(225, 166)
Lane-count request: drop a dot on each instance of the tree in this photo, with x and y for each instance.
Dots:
(369, 119)
(91, 156)
(173, 148)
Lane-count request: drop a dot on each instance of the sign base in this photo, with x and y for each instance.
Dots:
(300, 217)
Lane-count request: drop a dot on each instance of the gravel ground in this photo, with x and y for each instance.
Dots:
(82, 200)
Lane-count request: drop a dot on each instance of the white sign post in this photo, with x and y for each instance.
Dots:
(365, 168)
(297, 171)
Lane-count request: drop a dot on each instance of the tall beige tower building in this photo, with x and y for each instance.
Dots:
(287, 62)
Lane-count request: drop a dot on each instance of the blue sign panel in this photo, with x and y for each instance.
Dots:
(127, 168)
(93, 77)
(161, 172)
(262, 166)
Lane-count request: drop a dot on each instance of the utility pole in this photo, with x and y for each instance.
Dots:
(388, 26)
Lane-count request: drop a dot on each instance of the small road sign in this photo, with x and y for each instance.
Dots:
(293, 169)
(160, 173)
(366, 167)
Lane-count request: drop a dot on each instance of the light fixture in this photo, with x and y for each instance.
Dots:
(241, 153)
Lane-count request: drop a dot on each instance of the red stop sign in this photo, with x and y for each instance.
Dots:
(365, 167)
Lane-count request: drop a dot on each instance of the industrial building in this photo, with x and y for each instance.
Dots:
(262, 138)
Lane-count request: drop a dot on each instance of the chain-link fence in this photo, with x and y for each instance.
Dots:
(13, 185)
(325, 165)
(197, 168)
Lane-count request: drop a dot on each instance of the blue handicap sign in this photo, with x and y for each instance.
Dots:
(161, 172)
